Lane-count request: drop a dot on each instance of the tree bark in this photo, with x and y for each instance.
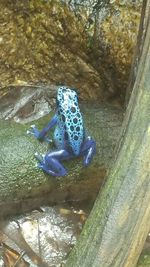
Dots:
(117, 227)
(138, 49)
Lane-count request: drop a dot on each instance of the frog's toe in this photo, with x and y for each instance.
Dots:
(30, 132)
(43, 157)
(49, 171)
(48, 140)
(39, 157)
(45, 168)
(34, 131)
(39, 165)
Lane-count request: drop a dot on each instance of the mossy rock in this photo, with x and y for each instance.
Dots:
(21, 180)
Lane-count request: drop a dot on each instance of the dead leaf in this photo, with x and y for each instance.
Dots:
(12, 258)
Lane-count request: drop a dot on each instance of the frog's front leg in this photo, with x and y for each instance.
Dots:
(41, 135)
(51, 162)
(88, 150)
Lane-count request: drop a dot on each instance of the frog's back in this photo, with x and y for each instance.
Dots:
(69, 133)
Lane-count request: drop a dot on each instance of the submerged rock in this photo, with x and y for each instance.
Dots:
(45, 235)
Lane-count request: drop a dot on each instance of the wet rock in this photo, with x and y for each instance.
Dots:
(45, 235)
(23, 186)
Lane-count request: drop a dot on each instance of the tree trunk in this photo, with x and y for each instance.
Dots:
(117, 227)
(138, 49)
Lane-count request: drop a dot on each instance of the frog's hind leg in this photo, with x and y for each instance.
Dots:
(88, 150)
(51, 162)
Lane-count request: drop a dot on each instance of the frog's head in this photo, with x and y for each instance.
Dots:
(70, 118)
(66, 98)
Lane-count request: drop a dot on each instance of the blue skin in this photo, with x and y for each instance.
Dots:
(69, 135)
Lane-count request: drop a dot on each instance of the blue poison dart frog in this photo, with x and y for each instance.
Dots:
(70, 137)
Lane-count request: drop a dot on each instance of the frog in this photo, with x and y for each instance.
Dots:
(70, 136)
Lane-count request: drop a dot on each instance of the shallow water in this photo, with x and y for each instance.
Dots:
(45, 236)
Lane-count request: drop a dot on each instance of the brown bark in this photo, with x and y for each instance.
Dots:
(138, 49)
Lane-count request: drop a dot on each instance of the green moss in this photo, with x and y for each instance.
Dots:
(21, 179)
(17, 163)
(144, 260)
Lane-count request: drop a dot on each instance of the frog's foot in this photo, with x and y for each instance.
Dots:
(42, 165)
(50, 163)
(46, 169)
(40, 158)
(36, 133)
(33, 131)
(88, 150)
